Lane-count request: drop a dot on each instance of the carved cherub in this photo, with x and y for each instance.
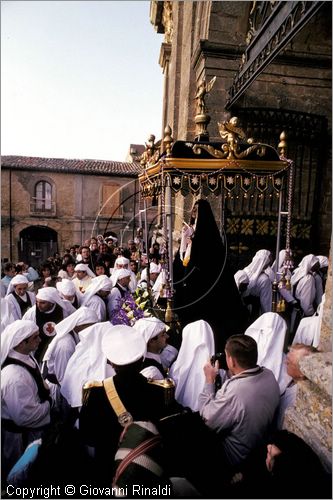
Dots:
(202, 90)
(232, 133)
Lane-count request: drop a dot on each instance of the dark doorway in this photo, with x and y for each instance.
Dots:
(36, 244)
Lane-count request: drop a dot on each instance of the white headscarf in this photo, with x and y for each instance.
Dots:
(81, 316)
(62, 274)
(51, 294)
(99, 283)
(119, 274)
(86, 268)
(282, 258)
(87, 363)
(158, 285)
(187, 371)
(7, 316)
(150, 327)
(308, 331)
(323, 261)
(66, 287)
(13, 334)
(241, 277)
(19, 279)
(303, 268)
(256, 267)
(269, 331)
(153, 268)
(121, 261)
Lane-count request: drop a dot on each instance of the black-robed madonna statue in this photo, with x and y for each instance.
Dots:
(204, 285)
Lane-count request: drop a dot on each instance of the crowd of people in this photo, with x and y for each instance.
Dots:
(93, 375)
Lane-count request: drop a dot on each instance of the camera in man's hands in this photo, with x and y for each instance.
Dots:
(221, 358)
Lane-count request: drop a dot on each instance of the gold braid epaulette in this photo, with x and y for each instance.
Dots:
(166, 383)
(168, 386)
(93, 383)
(87, 388)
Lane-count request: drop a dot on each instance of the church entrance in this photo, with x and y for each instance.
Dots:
(36, 244)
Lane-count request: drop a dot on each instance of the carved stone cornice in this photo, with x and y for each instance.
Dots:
(161, 18)
(272, 26)
(156, 15)
(165, 54)
(205, 49)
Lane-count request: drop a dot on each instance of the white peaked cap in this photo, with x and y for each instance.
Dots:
(81, 316)
(150, 327)
(14, 333)
(86, 268)
(66, 287)
(122, 261)
(19, 279)
(51, 294)
(123, 345)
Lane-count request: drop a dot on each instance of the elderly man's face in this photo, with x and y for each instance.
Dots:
(44, 305)
(21, 289)
(124, 281)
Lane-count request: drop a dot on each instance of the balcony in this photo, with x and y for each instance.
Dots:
(44, 207)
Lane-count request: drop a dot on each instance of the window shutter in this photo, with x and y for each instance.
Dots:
(111, 200)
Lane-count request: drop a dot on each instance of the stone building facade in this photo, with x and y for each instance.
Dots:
(291, 93)
(272, 62)
(50, 204)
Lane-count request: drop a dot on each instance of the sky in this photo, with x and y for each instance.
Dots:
(79, 79)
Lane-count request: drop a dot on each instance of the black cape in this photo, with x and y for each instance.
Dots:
(205, 288)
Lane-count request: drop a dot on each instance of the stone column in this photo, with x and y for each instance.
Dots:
(311, 417)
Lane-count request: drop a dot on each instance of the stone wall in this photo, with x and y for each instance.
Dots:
(76, 216)
(209, 40)
(311, 417)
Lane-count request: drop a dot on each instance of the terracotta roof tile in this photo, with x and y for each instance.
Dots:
(91, 167)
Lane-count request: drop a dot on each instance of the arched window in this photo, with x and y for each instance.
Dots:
(43, 196)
